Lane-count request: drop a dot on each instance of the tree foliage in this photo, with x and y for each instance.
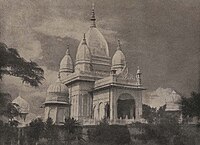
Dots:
(11, 63)
(8, 133)
(148, 113)
(191, 106)
(5, 98)
(50, 132)
(152, 115)
(11, 111)
(109, 134)
(165, 131)
(71, 125)
(161, 133)
(72, 130)
(35, 130)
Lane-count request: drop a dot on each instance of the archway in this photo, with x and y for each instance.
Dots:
(125, 107)
(96, 112)
(107, 110)
(101, 111)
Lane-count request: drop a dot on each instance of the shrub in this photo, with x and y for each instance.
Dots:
(109, 134)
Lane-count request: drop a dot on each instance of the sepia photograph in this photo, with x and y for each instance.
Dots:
(99, 72)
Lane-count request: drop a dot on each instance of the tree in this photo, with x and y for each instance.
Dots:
(161, 114)
(71, 125)
(11, 63)
(11, 111)
(9, 134)
(4, 99)
(50, 132)
(35, 131)
(155, 116)
(109, 134)
(148, 113)
(73, 130)
(166, 130)
(191, 106)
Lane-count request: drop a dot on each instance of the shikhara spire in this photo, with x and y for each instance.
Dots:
(93, 19)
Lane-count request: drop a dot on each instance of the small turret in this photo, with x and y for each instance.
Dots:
(83, 57)
(57, 106)
(66, 64)
(138, 76)
(118, 60)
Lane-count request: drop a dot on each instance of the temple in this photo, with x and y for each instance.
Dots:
(95, 86)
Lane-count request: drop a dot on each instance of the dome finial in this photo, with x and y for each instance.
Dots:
(119, 45)
(84, 39)
(93, 19)
(138, 70)
(67, 51)
(58, 75)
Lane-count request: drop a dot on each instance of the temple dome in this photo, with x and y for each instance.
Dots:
(97, 43)
(95, 40)
(57, 93)
(21, 104)
(118, 59)
(66, 64)
(58, 87)
(83, 53)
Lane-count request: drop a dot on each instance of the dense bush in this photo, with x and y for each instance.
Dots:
(190, 105)
(109, 134)
(8, 133)
(50, 134)
(35, 131)
(166, 132)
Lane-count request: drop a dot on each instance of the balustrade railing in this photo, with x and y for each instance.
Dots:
(116, 121)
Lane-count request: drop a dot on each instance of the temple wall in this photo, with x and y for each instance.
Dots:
(81, 99)
(100, 99)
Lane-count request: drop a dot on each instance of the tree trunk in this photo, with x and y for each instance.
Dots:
(2, 141)
(11, 142)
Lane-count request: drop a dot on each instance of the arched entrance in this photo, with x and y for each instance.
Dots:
(101, 111)
(107, 110)
(96, 112)
(125, 107)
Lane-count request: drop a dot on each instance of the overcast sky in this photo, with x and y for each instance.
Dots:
(160, 36)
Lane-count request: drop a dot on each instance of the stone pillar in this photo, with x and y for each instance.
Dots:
(115, 108)
(136, 108)
(111, 105)
(139, 104)
(76, 108)
(131, 111)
